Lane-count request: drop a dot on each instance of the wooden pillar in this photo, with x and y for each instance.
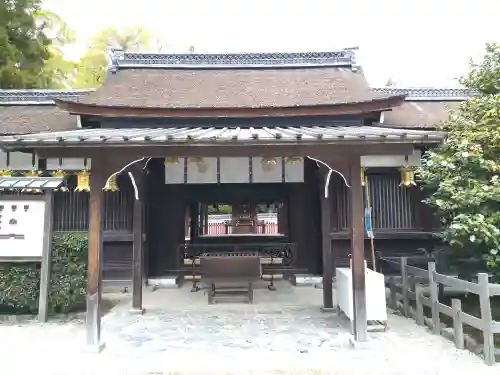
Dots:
(326, 242)
(43, 302)
(283, 218)
(94, 273)
(358, 249)
(205, 218)
(138, 250)
(145, 225)
(193, 213)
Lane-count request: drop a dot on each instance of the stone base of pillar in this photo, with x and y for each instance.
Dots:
(358, 344)
(94, 349)
(137, 311)
(328, 309)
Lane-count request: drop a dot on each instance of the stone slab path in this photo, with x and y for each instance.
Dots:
(273, 336)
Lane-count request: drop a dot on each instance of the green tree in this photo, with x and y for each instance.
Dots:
(57, 70)
(462, 175)
(24, 47)
(92, 67)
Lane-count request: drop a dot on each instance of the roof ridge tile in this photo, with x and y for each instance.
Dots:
(120, 59)
(427, 93)
(37, 96)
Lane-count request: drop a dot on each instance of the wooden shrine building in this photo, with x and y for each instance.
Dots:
(180, 135)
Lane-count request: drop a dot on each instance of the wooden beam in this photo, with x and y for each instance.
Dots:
(320, 150)
(358, 250)
(94, 273)
(138, 250)
(326, 246)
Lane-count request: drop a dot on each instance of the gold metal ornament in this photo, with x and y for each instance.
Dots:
(293, 160)
(407, 177)
(363, 176)
(61, 174)
(82, 181)
(172, 160)
(201, 164)
(111, 184)
(268, 164)
(33, 173)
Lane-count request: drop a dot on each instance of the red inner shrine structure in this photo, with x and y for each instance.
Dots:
(287, 135)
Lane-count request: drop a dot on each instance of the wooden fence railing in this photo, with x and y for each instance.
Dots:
(220, 228)
(422, 286)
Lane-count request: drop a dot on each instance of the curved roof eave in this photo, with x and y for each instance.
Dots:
(359, 107)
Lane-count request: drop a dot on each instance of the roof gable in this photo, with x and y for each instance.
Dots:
(248, 88)
(28, 111)
(423, 107)
(230, 81)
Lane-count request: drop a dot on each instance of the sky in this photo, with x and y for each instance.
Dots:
(415, 43)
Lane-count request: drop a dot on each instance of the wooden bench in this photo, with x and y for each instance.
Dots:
(230, 274)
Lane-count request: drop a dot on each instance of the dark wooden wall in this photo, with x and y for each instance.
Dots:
(402, 224)
(167, 205)
(71, 214)
(305, 222)
(166, 221)
(341, 248)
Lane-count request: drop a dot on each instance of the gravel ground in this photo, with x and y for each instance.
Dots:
(270, 337)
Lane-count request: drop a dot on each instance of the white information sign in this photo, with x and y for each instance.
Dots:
(21, 228)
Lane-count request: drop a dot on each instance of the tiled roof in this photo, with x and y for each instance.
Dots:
(427, 93)
(121, 59)
(37, 97)
(43, 183)
(198, 135)
(28, 111)
(248, 80)
(243, 88)
(425, 108)
(419, 114)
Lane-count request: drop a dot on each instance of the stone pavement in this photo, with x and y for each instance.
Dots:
(282, 333)
(291, 329)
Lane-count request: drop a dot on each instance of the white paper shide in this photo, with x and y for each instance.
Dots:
(21, 228)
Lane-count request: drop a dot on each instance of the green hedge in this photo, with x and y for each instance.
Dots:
(20, 284)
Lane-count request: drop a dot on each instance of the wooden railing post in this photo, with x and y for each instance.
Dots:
(487, 320)
(458, 327)
(419, 304)
(433, 289)
(393, 300)
(380, 262)
(404, 287)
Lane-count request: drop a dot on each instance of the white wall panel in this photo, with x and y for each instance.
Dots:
(414, 160)
(267, 173)
(204, 172)
(19, 161)
(234, 170)
(231, 171)
(3, 160)
(174, 172)
(294, 171)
